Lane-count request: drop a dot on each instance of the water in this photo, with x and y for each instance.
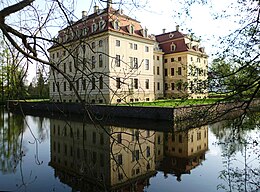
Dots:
(43, 154)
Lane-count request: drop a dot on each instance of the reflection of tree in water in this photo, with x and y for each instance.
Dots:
(11, 150)
(240, 138)
(40, 123)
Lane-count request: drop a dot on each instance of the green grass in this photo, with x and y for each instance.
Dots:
(176, 102)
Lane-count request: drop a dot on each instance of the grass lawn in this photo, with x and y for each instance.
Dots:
(176, 102)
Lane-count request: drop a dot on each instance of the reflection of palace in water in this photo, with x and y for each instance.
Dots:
(183, 151)
(89, 157)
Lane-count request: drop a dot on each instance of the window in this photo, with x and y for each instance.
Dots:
(58, 86)
(93, 61)
(131, 62)
(198, 60)
(146, 49)
(158, 70)
(135, 46)
(117, 61)
(77, 84)
(100, 60)
(93, 45)
(100, 43)
(172, 59)
(131, 29)
(198, 135)
(180, 138)
(119, 138)
(118, 85)
(146, 64)
(145, 33)
(166, 86)
(135, 63)
(147, 83)
(165, 60)
(117, 43)
(101, 139)
(179, 71)
(191, 58)
(158, 58)
(179, 87)
(102, 24)
(136, 83)
(131, 45)
(94, 27)
(64, 53)
(148, 151)
(119, 159)
(84, 49)
(136, 155)
(57, 54)
(85, 31)
(93, 83)
(172, 85)
(84, 84)
(179, 58)
(173, 47)
(116, 25)
(94, 137)
(70, 66)
(165, 72)
(64, 86)
(53, 87)
(172, 71)
(158, 86)
(101, 82)
(64, 68)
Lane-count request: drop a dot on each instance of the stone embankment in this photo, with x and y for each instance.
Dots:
(188, 113)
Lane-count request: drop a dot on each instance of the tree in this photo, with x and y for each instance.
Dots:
(236, 68)
(13, 74)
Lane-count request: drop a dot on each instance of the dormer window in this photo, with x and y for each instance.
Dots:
(132, 29)
(94, 27)
(102, 24)
(173, 47)
(116, 25)
(145, 33)
(85, 31)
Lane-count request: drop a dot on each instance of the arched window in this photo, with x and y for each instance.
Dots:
(173, 47)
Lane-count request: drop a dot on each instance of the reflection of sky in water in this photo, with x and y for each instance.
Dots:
(29, 176)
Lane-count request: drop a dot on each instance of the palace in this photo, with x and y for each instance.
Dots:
(108, 57)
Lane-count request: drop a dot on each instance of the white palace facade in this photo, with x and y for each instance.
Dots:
(108, 57)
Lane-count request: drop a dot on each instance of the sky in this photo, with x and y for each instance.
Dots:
(158, 15)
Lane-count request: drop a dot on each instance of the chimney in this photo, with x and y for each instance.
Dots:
(109, 2)
(96, 8)
(177, 27)
(163, 31)
(84, 14)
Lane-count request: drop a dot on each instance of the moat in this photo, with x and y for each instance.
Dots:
(63, 154)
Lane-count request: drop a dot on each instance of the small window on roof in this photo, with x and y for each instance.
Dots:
(94, 27)
(173, 47)
(116, 25)
(132, 29)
